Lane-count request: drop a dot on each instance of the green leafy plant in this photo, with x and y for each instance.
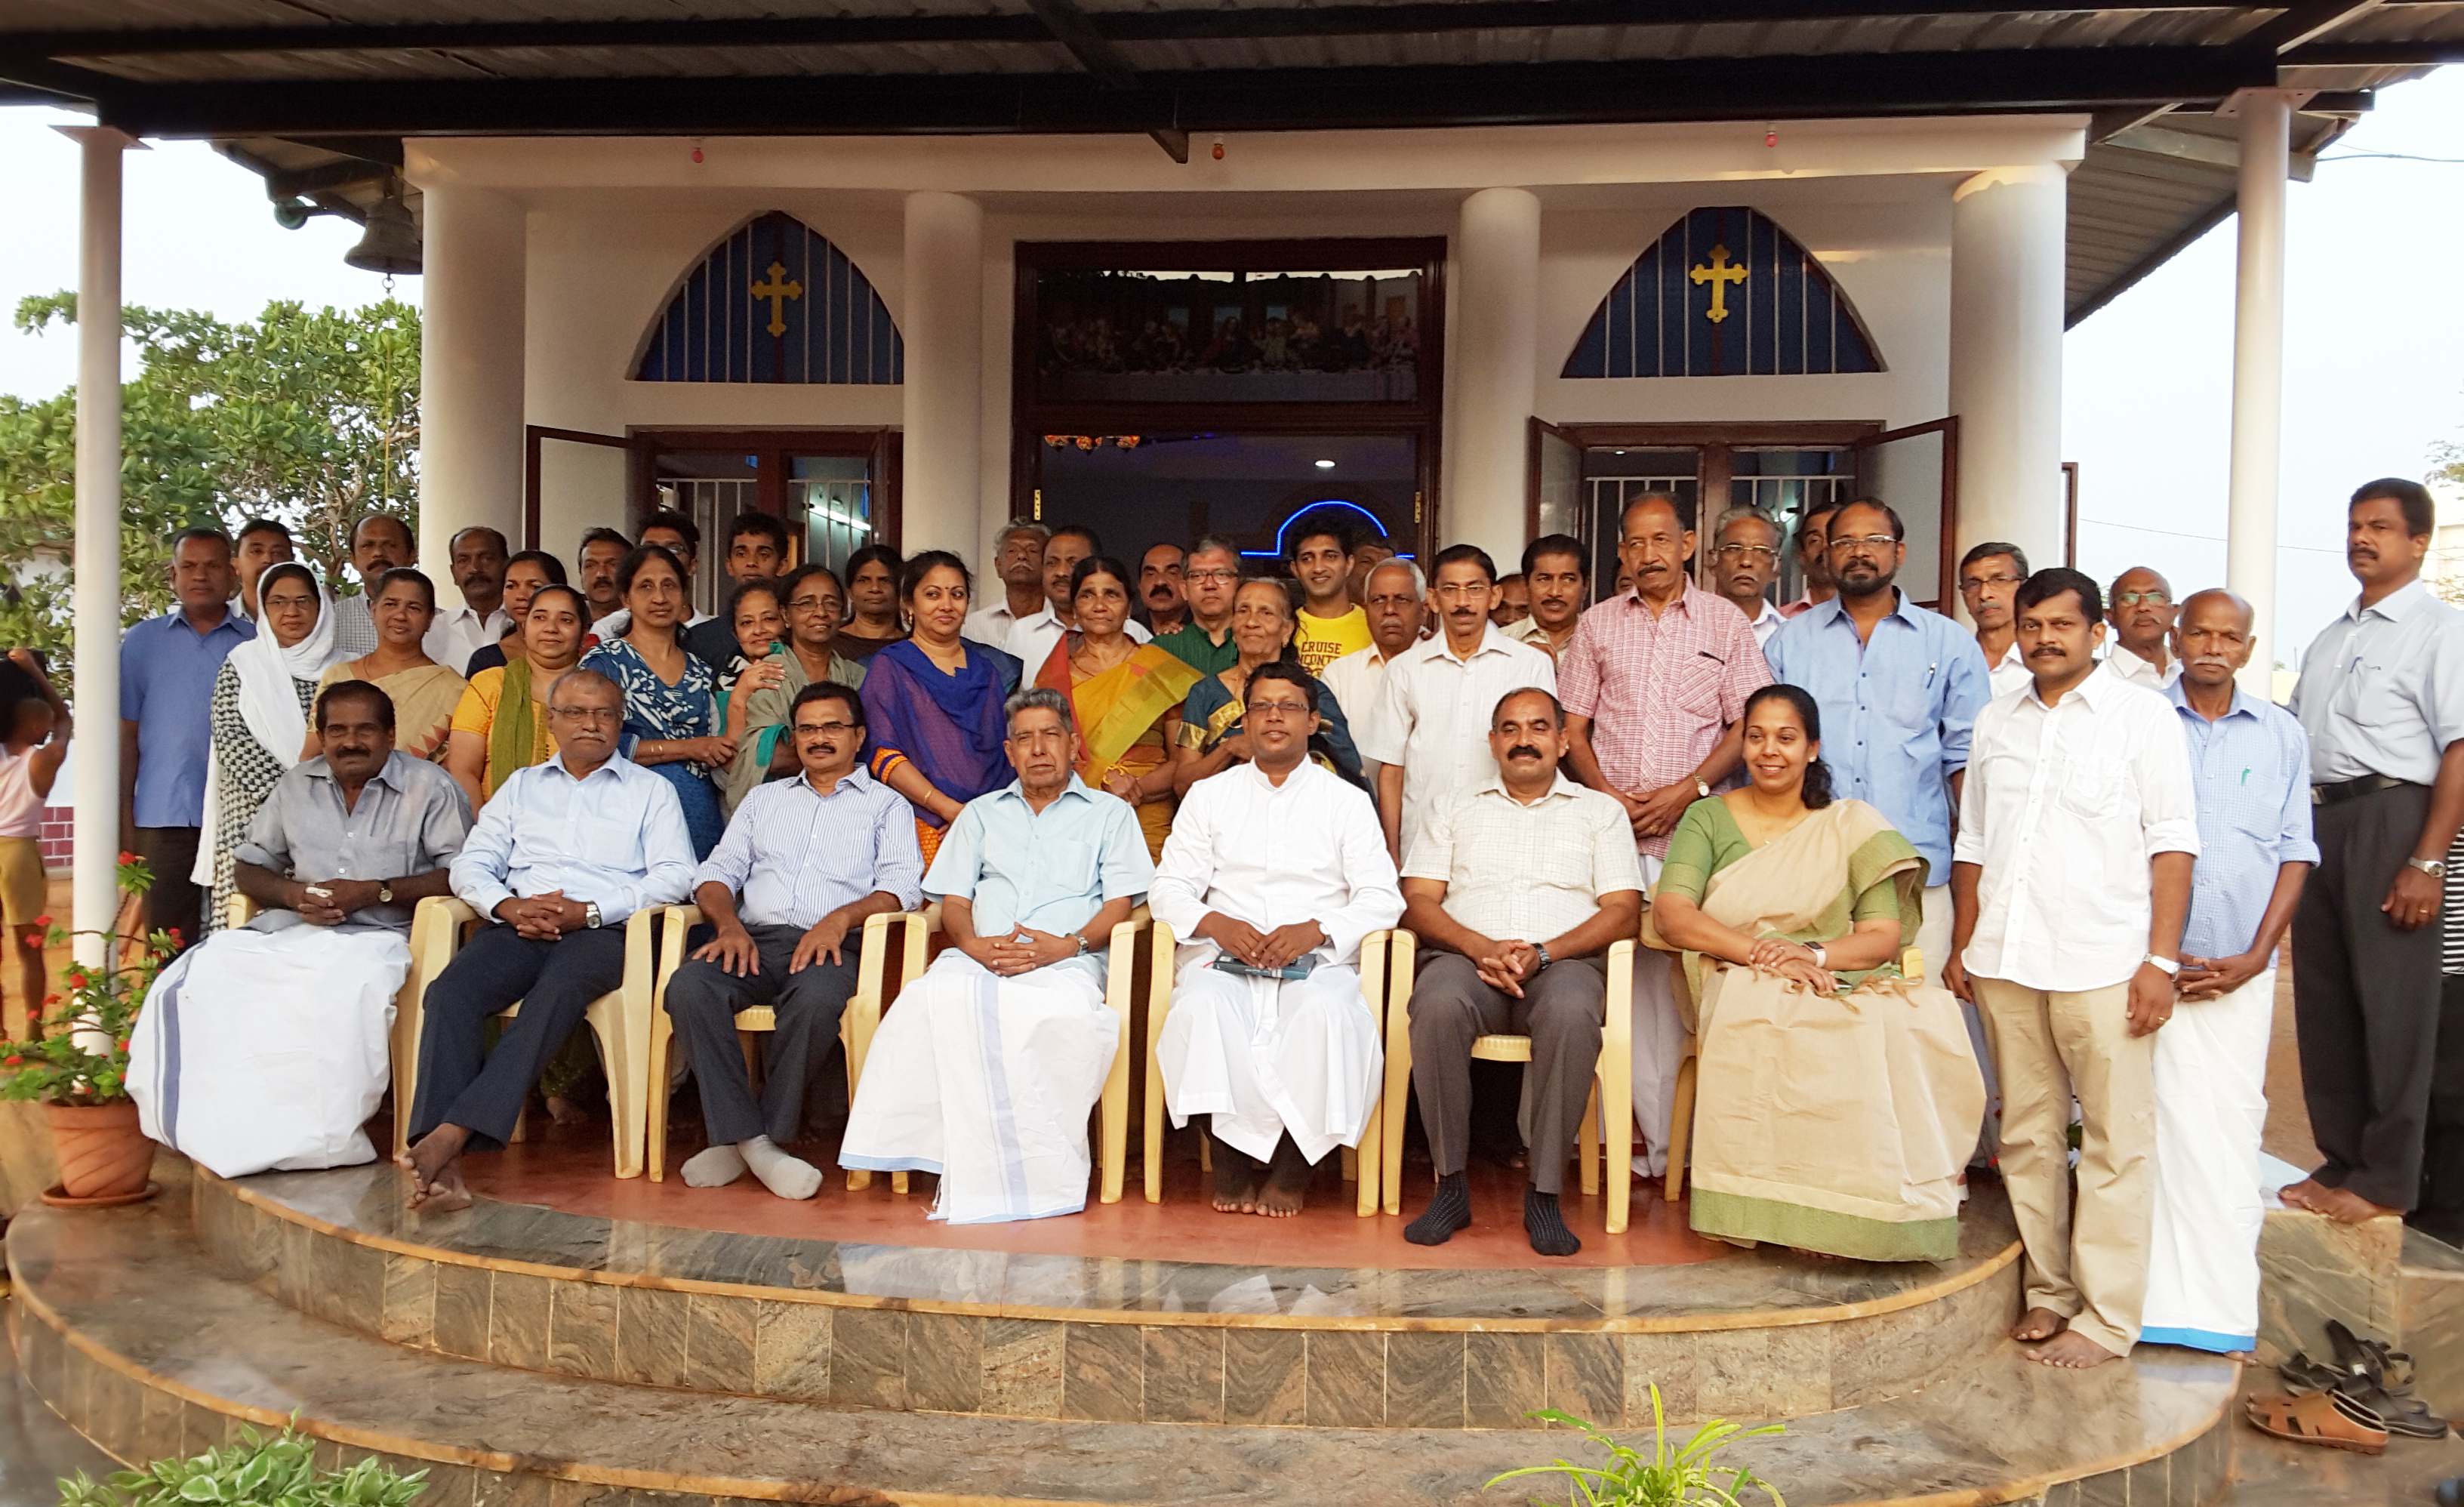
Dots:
(80, 1053)
(1678, 1477)
(280, 1471)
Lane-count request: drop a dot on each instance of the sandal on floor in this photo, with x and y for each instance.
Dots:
(2409, 1416)
(2301, 1376)
(2358, 1357)
(2330, 1420)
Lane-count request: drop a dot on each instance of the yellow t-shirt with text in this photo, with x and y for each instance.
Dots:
(1320, 641)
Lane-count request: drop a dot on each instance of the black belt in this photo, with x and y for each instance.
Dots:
(2348, 789)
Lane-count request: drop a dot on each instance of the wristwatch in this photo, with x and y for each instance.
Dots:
(1701, 787)
(2435, 867)
(590, 914)
(2170, 968)
(384, 892)
(1540, 950)
(1821, 959)
(1083, 947)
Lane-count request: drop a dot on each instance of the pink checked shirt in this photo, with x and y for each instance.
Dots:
(1660, 691)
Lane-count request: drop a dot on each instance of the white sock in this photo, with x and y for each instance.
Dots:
(788, 1176)
(716, 1167)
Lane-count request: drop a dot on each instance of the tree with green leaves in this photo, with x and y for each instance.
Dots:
(310, 418)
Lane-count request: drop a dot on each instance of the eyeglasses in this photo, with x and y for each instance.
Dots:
(1278, 709)
(2143, 599)
(831, 728)
(1732, 552)
(1457, 591)
(589, 715)
(807, 604)
(1877, 542)
(1976, 583)
(1213, 575)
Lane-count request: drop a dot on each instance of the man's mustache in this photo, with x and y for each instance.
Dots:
(1522, 751)
(2216, 661)
(2049, 651)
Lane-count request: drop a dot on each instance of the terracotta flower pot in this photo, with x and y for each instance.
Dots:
(102, 1153)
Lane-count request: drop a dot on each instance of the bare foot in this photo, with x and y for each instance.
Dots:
(1237, 1176)
(566, 1113)
(2037, 1325)
(2346, 1206)
(2302, 1194)
(1277, 1201)
(433, 1163)
(2070, 1352)
(1288, 1181)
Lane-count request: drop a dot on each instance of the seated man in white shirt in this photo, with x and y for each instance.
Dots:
(561, 855)
(1516, 889)
(988, 1067)
(1274, 873)
(812, 856)
(268, 1046)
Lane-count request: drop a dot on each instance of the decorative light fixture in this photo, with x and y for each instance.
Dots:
(1326, 465)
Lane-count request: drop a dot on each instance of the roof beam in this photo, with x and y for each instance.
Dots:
(1178, 25)
(1095, 52)
(2306, 21)
(1304, 98)
(2373, 55)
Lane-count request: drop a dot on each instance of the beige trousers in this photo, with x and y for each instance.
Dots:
(2090, 1266)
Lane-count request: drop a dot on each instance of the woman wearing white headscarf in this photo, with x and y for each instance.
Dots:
(259, 714)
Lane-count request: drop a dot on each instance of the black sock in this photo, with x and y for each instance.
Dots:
(1545, 1226)
(1448, 1211)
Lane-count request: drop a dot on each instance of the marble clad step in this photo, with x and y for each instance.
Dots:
(1106, 1338)
(123, 1327)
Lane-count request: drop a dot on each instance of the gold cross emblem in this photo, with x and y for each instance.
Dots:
(1719, 274)
(780, 288)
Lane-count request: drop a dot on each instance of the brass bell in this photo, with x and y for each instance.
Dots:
(390, 243)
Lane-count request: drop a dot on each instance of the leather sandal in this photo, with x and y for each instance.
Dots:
(2301, 1376)
(2407, 1415)
(2330, 1420)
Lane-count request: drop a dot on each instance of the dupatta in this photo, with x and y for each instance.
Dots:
(949, 726)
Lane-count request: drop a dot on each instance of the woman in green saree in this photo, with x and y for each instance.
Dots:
(1836, 1095)
(1124, 694)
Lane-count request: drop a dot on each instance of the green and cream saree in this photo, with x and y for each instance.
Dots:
(1837, 1124)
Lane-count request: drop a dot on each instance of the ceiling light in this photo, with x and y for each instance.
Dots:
(1326, 465)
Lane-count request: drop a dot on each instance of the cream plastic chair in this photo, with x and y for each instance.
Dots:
(1357, 1168)
(1681, 1106)
(1612, 1097)
(621, 1019)
(856, 1023)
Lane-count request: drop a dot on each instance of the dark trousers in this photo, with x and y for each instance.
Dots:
(173, 899)
(1560, 1011)
(703, 1000)
(2440, 1211)
(461, 1082)
(2366, 1000)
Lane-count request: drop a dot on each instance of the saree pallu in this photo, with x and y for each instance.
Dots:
(1212, 714)
(949, 726)
(1837, 1124)
(1120, 716)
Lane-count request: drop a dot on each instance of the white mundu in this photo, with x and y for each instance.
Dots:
(1260, 1056)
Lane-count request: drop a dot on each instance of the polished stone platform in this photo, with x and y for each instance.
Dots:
(1108, 1338)
(126, 1327)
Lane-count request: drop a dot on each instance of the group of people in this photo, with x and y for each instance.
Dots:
(1911, 891)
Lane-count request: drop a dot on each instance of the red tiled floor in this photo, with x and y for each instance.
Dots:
(571, 1172)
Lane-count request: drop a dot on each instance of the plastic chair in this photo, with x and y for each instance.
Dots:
(621, 1019)
(1611, 1103)
(1357, 1168)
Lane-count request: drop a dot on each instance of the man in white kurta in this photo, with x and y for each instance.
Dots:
(268, 1046)
(1273, 867)
(985, 1068)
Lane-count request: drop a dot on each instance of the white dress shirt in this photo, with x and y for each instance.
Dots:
(1517, 873)
(1765, 622)
(1356, 680)
(1528, 631)
(1309, 849)
(1434, 713)
(458, 633)
(617, 624)
(992, 625)
(2062, 811)
(2009, 672)
(2137, 671)
(1031, 639)
(2381, 689)
(615, 837)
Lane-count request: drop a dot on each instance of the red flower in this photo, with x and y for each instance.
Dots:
(77, 981)
(12, 1060)
(51, 999)
(123, 1044)
(43, 920)
(173, 933)
(126, 857)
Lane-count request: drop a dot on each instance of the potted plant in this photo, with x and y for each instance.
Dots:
(77, 1064)
(280, 1471)
(1678, 1477)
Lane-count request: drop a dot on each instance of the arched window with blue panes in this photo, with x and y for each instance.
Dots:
(773, 302)
(1723, 293)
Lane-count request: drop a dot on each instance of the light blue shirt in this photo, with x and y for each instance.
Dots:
(1897, 712)
(2251, 769)
(166, 688)
(1052, 870)
(796, 856)
(615, 838)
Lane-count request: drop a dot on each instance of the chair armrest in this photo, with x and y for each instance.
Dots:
(238, 912)
(1617, 1024)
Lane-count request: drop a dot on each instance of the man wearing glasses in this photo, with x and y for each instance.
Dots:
(811, 858)
(561, 855)
(1988, 578)
(2141, 614)
(1744, 556)
(1210, 578)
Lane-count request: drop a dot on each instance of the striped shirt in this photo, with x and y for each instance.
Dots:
(2250, 771)
(1659, 690)
(1517, 873)
(796, 855)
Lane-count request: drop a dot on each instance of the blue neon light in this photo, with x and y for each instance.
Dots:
(1303, 510)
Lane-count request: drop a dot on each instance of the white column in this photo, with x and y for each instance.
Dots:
(94, 884)
(2258, 375)
(2007, 241)
(1492, 349)
(943, 396)
(473, 302)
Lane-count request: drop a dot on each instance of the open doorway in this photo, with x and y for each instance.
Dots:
(1137, 491)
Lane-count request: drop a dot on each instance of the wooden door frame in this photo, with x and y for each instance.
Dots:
(880, 445)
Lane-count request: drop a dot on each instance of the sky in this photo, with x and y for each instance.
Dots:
(2374, 331)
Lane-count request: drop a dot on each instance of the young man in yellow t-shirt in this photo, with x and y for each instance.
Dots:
(1330, 624)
